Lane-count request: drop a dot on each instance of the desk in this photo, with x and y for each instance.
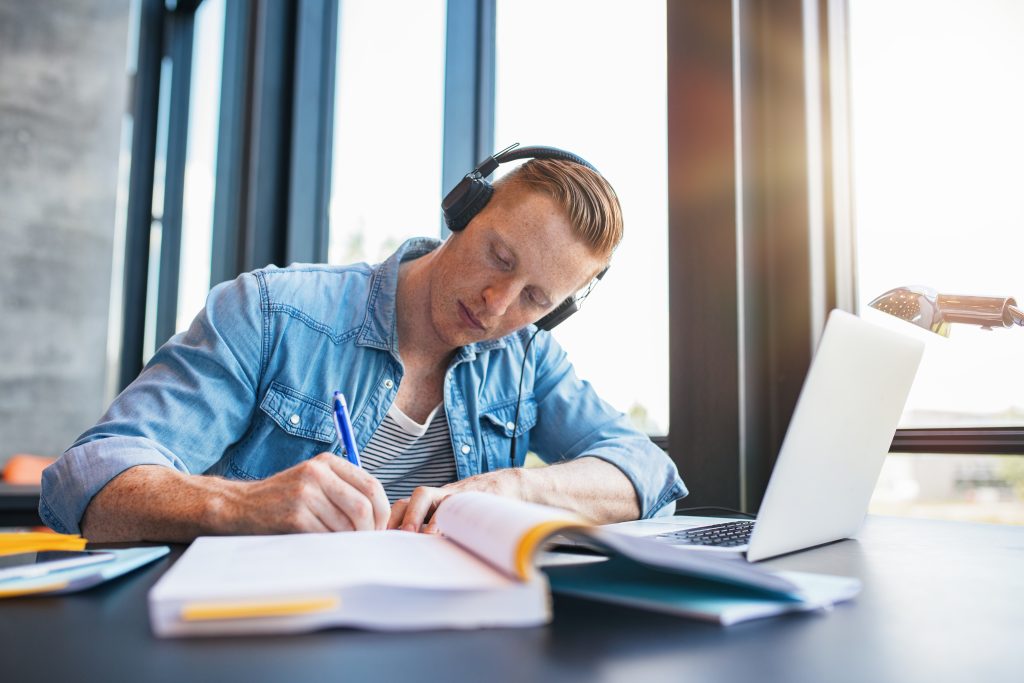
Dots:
(942, 601)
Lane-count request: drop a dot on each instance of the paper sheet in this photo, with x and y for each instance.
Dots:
(240, 566)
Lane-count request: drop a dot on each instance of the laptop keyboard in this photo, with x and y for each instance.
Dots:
(725, 535)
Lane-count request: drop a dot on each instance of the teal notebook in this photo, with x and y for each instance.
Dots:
(623, 581)
(80, 578)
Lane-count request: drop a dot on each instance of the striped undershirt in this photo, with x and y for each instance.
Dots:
(404, 454)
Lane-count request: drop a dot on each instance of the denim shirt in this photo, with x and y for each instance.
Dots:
(246, 392)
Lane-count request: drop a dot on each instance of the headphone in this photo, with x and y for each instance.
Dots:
(473, 192)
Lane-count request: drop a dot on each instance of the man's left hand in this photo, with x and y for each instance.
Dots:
(410, 514)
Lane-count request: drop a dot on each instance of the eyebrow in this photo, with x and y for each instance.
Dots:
(515, 262)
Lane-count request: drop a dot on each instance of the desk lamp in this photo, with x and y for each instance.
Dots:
(936, 312)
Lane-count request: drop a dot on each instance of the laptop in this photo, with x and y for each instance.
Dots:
(844, 422)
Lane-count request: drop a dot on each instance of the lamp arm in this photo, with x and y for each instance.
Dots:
(925, 308)
(1016, 315)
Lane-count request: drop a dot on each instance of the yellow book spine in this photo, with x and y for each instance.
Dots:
(534, 537)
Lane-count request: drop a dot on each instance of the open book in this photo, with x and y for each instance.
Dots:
(478, 573)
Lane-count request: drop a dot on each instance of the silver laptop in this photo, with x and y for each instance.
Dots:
(844, 422)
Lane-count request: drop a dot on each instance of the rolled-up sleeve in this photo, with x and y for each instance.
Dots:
(573, 421)
(193, 399)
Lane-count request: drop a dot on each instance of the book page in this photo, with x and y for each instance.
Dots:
(244, 566)
(502, 531)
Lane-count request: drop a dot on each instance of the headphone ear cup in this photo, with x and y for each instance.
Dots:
(465, 200)
(559, 315)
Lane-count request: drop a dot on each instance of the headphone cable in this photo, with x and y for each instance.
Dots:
(519, 397)
(578, 300)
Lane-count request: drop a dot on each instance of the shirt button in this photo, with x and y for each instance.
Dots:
(388, 384)
(294, 419)
(510, 426)
(465, 449)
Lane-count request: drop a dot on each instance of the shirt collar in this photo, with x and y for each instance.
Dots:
(380, 324)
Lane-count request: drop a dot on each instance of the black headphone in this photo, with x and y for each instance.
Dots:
(473, 192)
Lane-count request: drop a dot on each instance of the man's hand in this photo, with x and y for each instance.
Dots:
(157, 503)
(324, 493)
(412, 513)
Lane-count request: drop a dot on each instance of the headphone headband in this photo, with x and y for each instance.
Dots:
(539, 152)
(473, 192)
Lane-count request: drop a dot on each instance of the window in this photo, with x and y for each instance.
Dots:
(386, 178)
(200, 161)
(602, 95)
(937, 150)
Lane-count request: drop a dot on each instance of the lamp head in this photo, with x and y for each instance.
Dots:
(926, 308)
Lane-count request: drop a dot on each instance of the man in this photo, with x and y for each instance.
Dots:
(228, 429)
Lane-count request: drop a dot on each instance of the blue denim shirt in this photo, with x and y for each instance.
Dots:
(245, 392)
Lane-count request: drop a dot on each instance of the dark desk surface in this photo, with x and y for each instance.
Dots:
(942, 601)
(19, 505)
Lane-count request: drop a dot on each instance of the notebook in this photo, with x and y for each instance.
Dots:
(480, 572)
(844, 421)
(620, 581)
(76, 579)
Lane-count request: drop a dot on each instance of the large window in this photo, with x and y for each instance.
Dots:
(386, 176)
(936, 144)
(601, 94)
(938, 149)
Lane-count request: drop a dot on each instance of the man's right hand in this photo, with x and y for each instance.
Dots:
(324, 493)
(157, 503)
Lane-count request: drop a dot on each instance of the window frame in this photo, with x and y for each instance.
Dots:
(165, 34)
(273, 150)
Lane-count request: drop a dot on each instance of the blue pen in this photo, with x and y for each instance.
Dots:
(343, 425)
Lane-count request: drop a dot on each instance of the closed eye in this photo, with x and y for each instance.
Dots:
(502, 263)
(536, 299)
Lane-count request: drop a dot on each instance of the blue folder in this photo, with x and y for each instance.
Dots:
(80, 578)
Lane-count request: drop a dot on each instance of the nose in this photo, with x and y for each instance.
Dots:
(499, 296)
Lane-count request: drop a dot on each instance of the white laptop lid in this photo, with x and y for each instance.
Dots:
(840, 432)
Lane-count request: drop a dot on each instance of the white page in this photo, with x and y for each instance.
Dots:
(244, 566)
(493, 527)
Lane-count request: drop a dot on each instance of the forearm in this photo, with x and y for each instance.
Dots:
(150, 502)
(592, 487)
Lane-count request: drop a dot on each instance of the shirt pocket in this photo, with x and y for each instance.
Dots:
(290, 427)
(498, 422)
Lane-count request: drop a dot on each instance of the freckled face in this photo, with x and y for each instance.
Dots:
(515, 261)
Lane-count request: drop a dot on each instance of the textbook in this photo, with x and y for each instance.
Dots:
(478, 572)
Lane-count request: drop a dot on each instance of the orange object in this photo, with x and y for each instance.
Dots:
(35, 541)
(25, 469)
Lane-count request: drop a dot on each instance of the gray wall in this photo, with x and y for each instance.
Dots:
(62, 93)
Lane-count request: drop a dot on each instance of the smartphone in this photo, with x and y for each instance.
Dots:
(27, 565)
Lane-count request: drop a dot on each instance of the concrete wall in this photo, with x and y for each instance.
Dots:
(62, 94)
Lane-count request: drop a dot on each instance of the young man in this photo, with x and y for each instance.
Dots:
(228, 430)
